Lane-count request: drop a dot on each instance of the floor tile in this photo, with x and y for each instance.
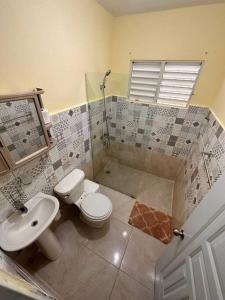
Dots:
(127, 288)
(109, 242)
(78, 273)
(71, 230)
(116, 197)
(140, 257)
(122, 204)
(88, 266)
(123, 212)
(152, 190)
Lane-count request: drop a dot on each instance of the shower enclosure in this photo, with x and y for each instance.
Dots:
(145, 150)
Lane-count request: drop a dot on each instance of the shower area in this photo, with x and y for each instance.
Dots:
(141, 149)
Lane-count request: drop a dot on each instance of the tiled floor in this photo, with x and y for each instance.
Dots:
(152, 190)
(117, 262)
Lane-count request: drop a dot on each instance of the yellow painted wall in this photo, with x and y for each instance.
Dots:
(51, 44)
(179, 34)
(218, 107)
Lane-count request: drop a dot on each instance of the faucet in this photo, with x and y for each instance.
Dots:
(23, 209)
(20, 207)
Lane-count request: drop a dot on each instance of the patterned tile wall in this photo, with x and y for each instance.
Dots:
(211, 139)
(73, 149)
(181, 132)
(167, 130)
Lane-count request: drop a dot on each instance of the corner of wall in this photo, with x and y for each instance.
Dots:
(218, 107)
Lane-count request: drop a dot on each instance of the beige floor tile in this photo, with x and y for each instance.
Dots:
(109, 242)
(145, 187)
(140, 257)
(123, 212)
(72, 230)
(127, 288)
(85, 269)
(78, 273)
(91, 292)
(116, 197)
(122, 204)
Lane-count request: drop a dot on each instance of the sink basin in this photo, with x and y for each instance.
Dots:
(19, 231)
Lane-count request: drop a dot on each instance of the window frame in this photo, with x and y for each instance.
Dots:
(163, 63)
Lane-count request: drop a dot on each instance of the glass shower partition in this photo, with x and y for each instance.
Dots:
(103, 122)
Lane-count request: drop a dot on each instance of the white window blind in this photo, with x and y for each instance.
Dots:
(164, 82)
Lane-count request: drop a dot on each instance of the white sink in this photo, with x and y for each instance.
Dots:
(19, 231)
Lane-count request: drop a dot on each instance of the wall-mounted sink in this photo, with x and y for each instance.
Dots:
(19, 231)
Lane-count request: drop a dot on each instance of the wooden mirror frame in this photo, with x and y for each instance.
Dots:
(7, 164)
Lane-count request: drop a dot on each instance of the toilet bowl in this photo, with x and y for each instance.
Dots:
(95, 208)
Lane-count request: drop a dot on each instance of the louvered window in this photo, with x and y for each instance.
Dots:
(165, 82)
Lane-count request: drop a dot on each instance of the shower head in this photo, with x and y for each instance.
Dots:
(102, 86)
(108, 73)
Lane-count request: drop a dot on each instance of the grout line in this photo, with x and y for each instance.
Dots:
(144, 286)
(117, 275)
(132, 229)
(119, 269)
(122, 221)
(151, 262)
(132, 277)
(108, 263)
(101, 256)
(154, 282)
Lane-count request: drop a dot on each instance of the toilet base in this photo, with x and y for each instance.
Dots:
(98, 224)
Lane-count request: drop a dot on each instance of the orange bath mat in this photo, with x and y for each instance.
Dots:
(151, 221)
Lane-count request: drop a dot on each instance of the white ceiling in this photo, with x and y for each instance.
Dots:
(126, 7)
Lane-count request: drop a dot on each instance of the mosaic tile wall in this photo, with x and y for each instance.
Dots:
(20, 128)
(181, 132)
(167, 130)
(71, 130)
(211, 139)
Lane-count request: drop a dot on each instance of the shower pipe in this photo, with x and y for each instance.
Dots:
(209, 155)
(106, 139)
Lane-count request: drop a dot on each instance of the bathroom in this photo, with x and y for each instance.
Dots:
(112, 141)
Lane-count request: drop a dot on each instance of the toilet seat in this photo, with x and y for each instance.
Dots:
(96, 206)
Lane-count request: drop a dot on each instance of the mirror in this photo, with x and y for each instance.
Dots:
(22, 131)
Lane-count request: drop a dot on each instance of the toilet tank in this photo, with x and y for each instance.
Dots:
(71, 187)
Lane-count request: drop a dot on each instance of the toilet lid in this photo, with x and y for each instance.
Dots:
(96, 206)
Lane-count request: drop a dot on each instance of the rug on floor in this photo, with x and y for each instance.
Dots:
(152, 222)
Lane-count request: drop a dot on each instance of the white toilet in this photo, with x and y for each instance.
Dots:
(95, 207)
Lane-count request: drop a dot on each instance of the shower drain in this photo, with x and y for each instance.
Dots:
(34, 223)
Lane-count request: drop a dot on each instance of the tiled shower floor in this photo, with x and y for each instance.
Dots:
(117, 262)
(152, 190)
